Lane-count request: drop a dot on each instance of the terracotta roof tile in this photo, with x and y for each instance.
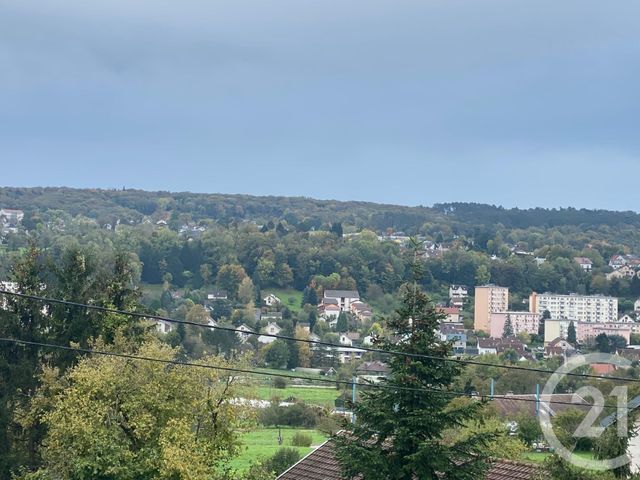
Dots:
(321, 464)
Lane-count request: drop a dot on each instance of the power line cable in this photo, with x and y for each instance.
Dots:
(458, 360)
(451, 393)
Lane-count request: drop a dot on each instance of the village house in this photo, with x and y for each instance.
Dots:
(349, 338)
(558, 347)
(162, 326)
(625, 271)
(452, 314)
(349, 354)
(321, 464)
(271, 300)
(373, 371)
(343, 297)
(272, 328)
(457, 295)
(329, 308)
(456, 334)
(497, 346)
(217, 295)
(244, 336)
(617, 261)
(361, 311)
(11, 216)
(585, 263)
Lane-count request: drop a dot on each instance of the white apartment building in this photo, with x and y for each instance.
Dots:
(457, 294)
(584, 308)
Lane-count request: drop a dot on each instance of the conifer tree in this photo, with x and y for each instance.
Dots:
(342, 325)
(399, 433)
(571, 333)
(508, 328)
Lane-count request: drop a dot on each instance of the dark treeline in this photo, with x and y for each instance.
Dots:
(126, 205)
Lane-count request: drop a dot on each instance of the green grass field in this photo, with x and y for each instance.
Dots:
(311, 395)
(262, 443)
(539, 457)
(290, 298)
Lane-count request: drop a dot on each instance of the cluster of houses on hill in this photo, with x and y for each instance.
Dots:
(10, 220)
(624, 266)
(335, 302)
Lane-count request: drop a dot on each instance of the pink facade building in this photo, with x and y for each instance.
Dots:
(526, 322)
(585, 330)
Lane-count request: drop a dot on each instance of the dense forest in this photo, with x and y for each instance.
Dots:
(126, 205)
(193, 241)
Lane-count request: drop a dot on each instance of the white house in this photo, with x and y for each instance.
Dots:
(457, 294)
(217, 295)
(585, 263)
(636, 305)
(244, 336)
(11, 215)
(343, 297)
(272, 328)
(348, 354)
(345, 340)
(617, 261)
(162, 326)
(328, 311)
(271, 300)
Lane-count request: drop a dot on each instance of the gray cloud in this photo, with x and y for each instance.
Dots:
(421, 101)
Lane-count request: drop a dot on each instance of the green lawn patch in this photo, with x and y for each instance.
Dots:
(290, 298)
(262, 443)
(539, 457)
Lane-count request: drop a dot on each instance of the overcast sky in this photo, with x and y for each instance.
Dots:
(512, 102)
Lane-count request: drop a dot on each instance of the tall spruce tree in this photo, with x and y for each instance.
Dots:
(508, 328)
(343, 323)
(571, 333)
(400, 433)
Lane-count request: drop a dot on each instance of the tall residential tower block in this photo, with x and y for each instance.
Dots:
(489, 299)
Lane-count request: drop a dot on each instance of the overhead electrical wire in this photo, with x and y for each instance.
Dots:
(363, 348)
(450, 393)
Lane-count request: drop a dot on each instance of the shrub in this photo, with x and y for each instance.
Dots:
(300, 439)
(279, 382)
(298, 415)
(282, 460)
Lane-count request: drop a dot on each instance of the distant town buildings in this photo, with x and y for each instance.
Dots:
(489, 299)
(10, 219)
(584, 308)
(559, 328)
